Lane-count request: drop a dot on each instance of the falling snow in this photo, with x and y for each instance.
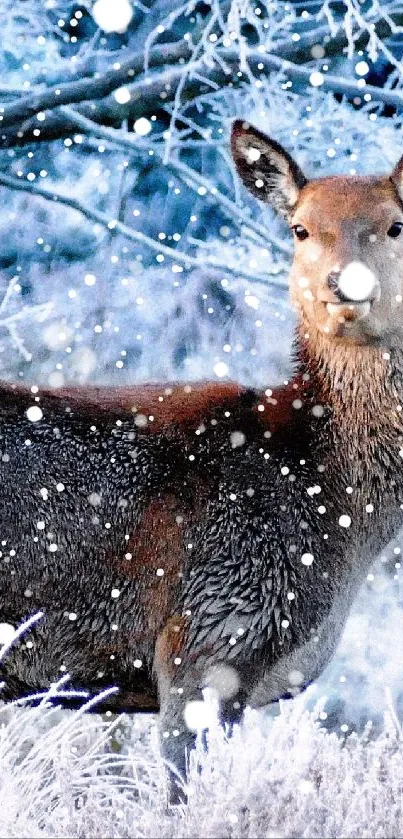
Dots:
(221, 369)
(316, 78)
(142, 126)
(158, 269)
(357, 282)
(34, 414)
(112, 15)
(200, 714)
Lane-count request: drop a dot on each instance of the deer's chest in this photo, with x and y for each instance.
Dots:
(276, 558)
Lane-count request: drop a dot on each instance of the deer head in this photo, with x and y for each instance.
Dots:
(346, 279)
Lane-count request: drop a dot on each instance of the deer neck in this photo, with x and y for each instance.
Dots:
(361, 386)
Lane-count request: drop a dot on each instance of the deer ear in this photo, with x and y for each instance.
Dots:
(267, 170)
(397, 177)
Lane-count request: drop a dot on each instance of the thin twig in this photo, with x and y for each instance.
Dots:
(116, 226)
(188, 175)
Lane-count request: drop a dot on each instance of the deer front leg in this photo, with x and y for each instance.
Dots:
(182, 676)
(179, 682)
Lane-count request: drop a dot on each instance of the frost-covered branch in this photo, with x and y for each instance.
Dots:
(147, 93)
(192, 178)
(87, 89)
(35, 314)
(146, 99)
(115, 226)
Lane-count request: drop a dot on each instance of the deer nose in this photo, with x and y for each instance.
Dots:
(333, 279)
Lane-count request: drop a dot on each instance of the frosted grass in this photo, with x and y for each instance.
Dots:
(288, 777)
(283, 774)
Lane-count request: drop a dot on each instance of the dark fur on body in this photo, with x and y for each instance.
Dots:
(241, 527)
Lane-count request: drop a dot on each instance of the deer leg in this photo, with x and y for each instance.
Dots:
(177, 739)
(182, 677)
(231, 711)
(180, 682)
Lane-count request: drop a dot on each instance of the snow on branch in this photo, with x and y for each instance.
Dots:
(144, 96)
(31, 314)
(218, 65)
(196, 181)
(115, 226)
(84, 90)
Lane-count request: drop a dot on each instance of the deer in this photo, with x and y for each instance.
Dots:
(185, 537)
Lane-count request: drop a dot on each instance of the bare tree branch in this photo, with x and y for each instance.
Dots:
(84, 90)
(129, 67)
(114, 226)
(147, 95)
(335, 84)
(300, 51)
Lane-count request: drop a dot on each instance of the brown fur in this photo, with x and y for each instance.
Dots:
(164, 406)
(184, 408)
(156, 544)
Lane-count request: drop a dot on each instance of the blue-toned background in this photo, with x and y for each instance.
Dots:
(129, 251)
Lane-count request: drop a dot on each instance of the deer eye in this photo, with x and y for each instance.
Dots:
(395, 230)
(300, 232)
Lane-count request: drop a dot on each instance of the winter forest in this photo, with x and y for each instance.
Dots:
(131, 252)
